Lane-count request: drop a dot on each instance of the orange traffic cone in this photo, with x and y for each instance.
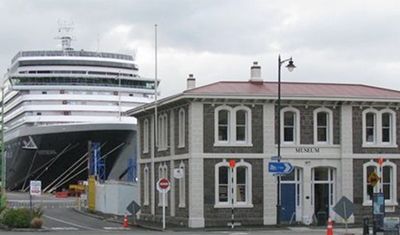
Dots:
(125, 223)
(329, 228)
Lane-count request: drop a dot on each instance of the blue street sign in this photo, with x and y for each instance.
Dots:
(280, 167)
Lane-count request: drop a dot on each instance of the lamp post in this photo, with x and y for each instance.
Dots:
(290, 67)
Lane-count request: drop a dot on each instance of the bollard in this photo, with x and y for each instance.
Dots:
(365, 226)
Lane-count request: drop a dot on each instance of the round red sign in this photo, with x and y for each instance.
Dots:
(163, 183)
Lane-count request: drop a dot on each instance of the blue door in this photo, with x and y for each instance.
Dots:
(288, 202)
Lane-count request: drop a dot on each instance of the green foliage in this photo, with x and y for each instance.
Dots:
(36, 222)
(16, 218)
(37, 212)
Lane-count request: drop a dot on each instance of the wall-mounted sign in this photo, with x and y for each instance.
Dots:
(307, 150)
(179, 173)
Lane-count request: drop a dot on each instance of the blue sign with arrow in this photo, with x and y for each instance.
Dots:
(280, 167)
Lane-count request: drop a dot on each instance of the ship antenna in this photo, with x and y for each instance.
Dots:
(65, 34)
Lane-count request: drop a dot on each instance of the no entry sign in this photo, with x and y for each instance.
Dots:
(163, 185)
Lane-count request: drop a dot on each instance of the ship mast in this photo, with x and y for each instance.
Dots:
(65, 35)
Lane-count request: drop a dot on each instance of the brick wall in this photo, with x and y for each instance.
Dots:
(307, 124)
(176, 132)
(182, 214)
(359, 210)
(221, 216)
(357, 134)
(257, 131)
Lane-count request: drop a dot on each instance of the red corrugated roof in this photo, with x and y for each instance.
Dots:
(295, 89)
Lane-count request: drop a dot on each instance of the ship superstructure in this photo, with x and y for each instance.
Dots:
(55, 101)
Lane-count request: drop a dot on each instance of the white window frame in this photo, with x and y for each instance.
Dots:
(146, 136)
(232, 135)
(378, 143)
(393, 182)
(181, 128)
(246, 204)
(331, 181)
(216, 125)
(162, 173)
(296, 137)
(146, 185)
(182, 187)
(329, 128)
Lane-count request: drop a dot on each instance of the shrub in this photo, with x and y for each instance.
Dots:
(36, 222)
(37, 212)
(16, 218)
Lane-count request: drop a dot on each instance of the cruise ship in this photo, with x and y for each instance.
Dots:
(64, 116)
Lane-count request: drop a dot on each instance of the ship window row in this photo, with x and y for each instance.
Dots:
(76, 62)
(76, 72)
(81, 53)
(83, 81)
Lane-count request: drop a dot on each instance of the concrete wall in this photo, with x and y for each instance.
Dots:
(113, 198)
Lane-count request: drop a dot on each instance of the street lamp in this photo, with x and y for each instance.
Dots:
(290, 67)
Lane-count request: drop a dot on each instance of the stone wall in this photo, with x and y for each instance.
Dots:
(359, 210)
(357, 134)
(222, 216)
(176, 132)
(307, 124)
(257, 131)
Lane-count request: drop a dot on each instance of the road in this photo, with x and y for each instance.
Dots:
(60, 218)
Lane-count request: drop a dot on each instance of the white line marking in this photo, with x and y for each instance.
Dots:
(115, 228)
(63, 228)
(69, 223)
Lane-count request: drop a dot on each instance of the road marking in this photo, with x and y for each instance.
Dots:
(69, 223)
(115, 228)
(64, 228)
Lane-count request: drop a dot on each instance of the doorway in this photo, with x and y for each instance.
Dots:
(291, 195)
(323, 193)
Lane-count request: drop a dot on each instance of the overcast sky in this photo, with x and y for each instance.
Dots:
(330, 41)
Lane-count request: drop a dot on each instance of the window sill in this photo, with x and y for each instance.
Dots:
(364, 145)
(145, 152)
(250, 205)
(162, 149)
(233, 145)
(181, 146)
(387, 203)
(182, 206)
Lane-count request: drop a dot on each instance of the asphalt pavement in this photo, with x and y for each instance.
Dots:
(61, 218)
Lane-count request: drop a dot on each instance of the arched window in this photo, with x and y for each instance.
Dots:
(146, 136)
(162, 134)
(182, 187)
(388, 125)
(242, 129)
(146, 184)
(323, 126)
(370, 127)
(223, 125)
(233, 125)
(388, 185)
(379, 128)
(233, 185)
(181, 128)
(290, 126)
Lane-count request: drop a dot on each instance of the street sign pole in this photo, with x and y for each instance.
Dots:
(163, 186)
(232, 193)
(163, 209)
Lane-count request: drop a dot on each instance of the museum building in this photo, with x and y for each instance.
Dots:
(331, 133)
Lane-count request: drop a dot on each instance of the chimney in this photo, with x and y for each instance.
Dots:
(191, 82)
(255, 73)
